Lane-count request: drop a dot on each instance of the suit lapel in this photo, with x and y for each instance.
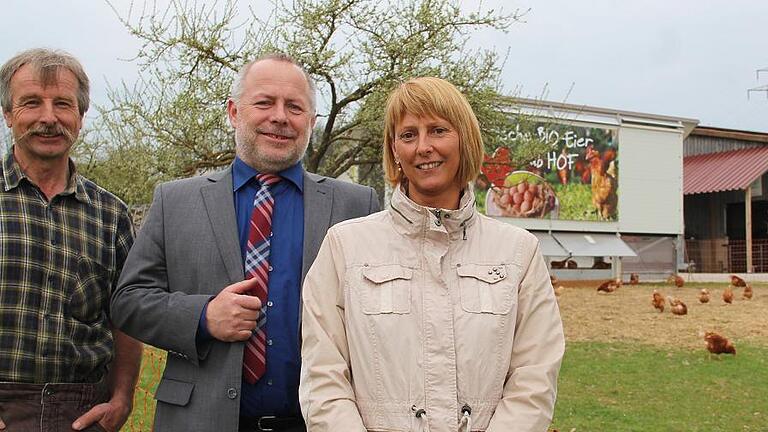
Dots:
(318, 202)
(219, 203)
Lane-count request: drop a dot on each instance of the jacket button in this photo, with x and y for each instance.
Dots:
(231, 393)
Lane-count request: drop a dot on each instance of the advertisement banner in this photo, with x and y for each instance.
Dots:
(577, 178)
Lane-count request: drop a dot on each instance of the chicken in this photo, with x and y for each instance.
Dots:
(559, 290)
(737, 281)
(553, 280)
(657, 300)
(565, 263)
(728, 295)
(634, 278)
(601, 264)
(747, 294)
(717, 344)
(704, 296)
(609, 155)
(676, 280)
(677, 306)
(582, 171)
(609, 286)
(558, 264)
(604, 184)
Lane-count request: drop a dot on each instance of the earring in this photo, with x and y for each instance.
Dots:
(399, 167)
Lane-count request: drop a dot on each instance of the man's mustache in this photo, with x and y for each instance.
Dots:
(47, 129)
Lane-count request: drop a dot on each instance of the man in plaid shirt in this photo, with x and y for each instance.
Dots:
(63, 241)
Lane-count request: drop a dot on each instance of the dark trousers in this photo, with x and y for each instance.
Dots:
(48, 407)
(276, 424)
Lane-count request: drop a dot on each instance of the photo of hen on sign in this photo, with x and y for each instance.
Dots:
(576, 179)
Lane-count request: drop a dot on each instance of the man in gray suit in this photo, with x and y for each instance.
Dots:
(207, 280)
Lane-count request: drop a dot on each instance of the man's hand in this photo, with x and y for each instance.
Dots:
(2, 425)
(110, 415)
(232, 314)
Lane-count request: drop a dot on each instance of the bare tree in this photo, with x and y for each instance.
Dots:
(357, 51)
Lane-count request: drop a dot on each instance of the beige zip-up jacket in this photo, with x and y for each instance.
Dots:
(411, 314)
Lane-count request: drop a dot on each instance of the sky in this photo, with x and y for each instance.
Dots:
(683, 58)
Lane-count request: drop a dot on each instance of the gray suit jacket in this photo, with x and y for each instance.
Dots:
(186, 252)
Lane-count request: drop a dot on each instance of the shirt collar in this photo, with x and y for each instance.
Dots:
(12, 173)
(12, 176)
(242, 173)
(414, 218)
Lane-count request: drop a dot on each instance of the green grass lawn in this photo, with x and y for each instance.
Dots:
(625, 387)
(619, 387)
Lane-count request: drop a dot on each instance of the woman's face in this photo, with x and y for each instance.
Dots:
(428, 151)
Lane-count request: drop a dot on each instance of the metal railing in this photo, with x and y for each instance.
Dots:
(726, 255)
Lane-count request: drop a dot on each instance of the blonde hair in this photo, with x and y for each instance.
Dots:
(429, 96)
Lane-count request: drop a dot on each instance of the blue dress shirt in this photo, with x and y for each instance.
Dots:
(276, 392)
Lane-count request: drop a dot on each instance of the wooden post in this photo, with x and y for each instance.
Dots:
(748, 220)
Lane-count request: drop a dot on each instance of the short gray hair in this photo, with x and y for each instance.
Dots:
(46, 63)
(237, 85)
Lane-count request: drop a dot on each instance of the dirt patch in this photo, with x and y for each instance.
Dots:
(627, 315)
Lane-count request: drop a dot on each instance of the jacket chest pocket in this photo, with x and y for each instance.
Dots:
(485, 289)
(386, 289)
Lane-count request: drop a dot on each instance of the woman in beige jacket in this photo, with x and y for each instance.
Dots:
(429, 316)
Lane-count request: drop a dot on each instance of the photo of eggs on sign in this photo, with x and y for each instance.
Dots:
(523, 195)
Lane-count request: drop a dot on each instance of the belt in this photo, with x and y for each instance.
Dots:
(271, 423)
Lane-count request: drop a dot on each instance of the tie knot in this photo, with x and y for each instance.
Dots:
(268, 179)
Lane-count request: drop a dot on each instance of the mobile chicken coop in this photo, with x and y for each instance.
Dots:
(726, 200)
(605, 198)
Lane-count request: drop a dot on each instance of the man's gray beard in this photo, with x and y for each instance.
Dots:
(249, 152)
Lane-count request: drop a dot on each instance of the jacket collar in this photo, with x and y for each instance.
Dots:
(413, 218)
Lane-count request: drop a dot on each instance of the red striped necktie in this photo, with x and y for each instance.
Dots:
(257, 267)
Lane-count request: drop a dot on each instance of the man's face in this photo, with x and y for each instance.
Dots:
(44, 119)
(274, 117)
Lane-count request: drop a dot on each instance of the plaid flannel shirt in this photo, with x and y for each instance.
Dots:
(59, 261)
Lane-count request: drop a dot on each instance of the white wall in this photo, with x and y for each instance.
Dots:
(650, 180)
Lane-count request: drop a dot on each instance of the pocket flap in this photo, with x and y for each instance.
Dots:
(386, 273)
(486, 273)
(174, 392)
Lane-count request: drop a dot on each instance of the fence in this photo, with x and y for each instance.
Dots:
(726, 256)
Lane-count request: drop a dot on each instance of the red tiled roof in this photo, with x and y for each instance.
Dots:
(723, 171)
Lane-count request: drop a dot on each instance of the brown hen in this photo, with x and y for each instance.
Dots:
(677, 306)
(737, 281)
(748, 293)
(704, 296)
(728, 295)
(676, 280)
(609, 286)
(657, 300)
(604, 184)
(717, 344)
